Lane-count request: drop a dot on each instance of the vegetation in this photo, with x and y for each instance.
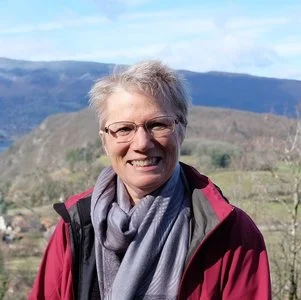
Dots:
(289, 277)
(3, 204)
(85, 155)
(254, 191)
(209, 154)
(257, 167)
(3, 277)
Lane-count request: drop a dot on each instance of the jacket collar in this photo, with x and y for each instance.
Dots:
(209, 207)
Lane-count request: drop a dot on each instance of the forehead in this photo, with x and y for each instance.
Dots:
(136, 107)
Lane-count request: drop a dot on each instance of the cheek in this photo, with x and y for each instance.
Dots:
(177, 141)
(115, 151)
(172, 149)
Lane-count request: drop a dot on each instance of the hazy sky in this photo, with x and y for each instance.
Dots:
(256, 37)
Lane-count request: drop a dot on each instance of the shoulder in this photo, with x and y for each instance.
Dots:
(245, 229)
(73, 199)
(194, 177)
(75, 210)
(204, 190)
(198, 181)
(205, 194)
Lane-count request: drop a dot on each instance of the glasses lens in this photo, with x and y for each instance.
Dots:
(158, 127)
(161, 126)
(122, 131)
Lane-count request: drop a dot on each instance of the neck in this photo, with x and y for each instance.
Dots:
(135, 196)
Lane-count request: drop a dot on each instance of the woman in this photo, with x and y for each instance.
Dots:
(158, 228)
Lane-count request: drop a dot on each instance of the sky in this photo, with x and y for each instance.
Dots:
(261, 38)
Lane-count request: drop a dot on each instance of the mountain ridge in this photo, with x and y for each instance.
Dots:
(31, 91)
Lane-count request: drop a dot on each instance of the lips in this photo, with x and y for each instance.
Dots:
(152, 161)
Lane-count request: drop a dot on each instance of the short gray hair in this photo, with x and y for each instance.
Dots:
(151, 78)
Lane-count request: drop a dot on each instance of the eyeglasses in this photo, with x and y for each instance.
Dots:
(158, 127)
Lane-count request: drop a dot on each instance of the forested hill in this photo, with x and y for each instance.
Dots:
(31, 91)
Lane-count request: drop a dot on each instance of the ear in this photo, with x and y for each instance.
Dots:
(181, 133)
(105, 148)
(103, 142)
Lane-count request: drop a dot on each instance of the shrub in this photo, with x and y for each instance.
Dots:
(221, 159)
(3, 204)
(86, 154)
(188, 147)
(216, 154)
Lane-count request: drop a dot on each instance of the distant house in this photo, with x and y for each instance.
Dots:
(2, 224)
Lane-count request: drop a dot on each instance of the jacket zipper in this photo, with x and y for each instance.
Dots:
(80, 235)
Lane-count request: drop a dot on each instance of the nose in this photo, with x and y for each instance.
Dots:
(142, 140)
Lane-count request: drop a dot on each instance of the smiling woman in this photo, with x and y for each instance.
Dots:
(152, 227)
(147, 160)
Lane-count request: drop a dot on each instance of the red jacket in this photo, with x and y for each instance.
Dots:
(226, 260)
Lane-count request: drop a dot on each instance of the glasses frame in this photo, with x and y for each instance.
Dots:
(106, 129)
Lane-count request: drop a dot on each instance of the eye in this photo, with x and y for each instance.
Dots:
(158, 125)
(121, 129)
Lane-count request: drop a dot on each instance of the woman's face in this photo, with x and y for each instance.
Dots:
(144, 163)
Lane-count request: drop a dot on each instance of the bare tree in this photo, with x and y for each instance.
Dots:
(287, 265)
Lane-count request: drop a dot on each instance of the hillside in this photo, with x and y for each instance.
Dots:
(63, 156)
(47, 145)
(29, 91)
(32, 91)
(53, 148)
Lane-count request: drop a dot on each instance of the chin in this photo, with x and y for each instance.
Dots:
(148, 186)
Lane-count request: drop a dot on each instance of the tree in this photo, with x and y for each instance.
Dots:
(221, 160)
(3, 204)
(288, 264)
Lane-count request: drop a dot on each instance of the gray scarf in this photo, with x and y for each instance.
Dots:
(140, 250)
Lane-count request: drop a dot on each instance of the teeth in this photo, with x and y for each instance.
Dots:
(145, 162)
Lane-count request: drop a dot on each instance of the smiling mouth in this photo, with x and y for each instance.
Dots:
(145, 162)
